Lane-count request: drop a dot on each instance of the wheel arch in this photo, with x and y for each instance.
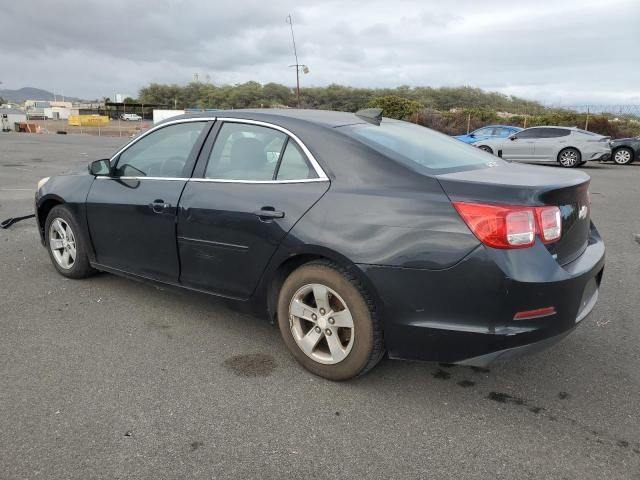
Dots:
(44, 206)
(566, 147)
(282, 268)
(487, 148)
(625, 147)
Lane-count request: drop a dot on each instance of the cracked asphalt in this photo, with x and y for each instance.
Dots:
(109, 378)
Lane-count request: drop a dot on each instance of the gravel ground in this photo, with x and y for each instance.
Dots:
(109, 378)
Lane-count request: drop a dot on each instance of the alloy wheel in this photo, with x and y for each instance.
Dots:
(62, 243)
(622, 157)
(569, 158)
(321, 324)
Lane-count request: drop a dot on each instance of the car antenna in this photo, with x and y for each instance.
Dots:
(370, 115)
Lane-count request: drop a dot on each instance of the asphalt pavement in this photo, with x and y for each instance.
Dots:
(110, 378)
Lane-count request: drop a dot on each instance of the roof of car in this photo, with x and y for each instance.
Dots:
(325, 118)
(554, 126)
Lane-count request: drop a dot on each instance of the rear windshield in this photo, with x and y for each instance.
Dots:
(420, 148)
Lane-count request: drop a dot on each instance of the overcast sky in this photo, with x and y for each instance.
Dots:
(559, 52)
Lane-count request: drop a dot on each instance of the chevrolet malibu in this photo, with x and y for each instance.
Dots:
(360, 235)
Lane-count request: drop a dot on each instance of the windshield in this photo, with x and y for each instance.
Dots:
(420, 148)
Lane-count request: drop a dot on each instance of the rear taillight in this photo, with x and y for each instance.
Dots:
(509, 226)
(550, 223)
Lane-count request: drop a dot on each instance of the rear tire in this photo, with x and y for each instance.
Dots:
(623, 156)
(66, 245)
(328, 322)
(486, 149)
(569, 157)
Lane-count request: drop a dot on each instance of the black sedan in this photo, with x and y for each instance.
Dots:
(362, 235)
(625, 150)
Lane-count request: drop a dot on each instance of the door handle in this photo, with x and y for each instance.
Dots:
(268, 213)
(158, 206)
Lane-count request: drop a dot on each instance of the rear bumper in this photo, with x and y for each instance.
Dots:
(465, 314)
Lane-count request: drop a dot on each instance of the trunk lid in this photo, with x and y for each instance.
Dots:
(518, 184)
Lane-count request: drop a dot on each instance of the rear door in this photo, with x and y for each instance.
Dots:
(132, 213)
(521, 146)
(550, 142)
(251, 185)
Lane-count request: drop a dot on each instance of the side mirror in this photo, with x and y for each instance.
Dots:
(100, 167)
(513, 137)
(472, 135)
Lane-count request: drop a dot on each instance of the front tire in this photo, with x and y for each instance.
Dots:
(328, 322)
(570, 157)
(623, 156)
(65, 244)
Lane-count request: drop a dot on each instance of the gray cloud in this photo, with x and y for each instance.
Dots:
(568, 52)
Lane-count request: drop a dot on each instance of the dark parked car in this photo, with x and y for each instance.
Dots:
(625, 150)
(360, 235)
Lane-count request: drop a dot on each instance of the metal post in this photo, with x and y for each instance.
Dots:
(468, 122)
(586, 123)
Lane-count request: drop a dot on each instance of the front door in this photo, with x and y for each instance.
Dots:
(255, 185)
(132, 213)
(521, 146)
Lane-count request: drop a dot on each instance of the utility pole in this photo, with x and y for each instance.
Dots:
(586, 124)
(305, 69)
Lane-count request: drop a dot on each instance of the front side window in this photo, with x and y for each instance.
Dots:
(420, 148)
(245, 152)
(531, 133)
(162, 153)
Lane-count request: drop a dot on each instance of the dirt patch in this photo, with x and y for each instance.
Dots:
(251, 365)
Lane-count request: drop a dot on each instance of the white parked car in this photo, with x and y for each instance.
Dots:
(130, 117)
(569, 146)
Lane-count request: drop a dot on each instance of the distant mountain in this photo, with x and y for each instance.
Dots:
(30, 93)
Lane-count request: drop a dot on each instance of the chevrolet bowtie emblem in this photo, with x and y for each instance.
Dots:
(582, 213)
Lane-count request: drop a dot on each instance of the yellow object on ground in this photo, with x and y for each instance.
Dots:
(88, 120)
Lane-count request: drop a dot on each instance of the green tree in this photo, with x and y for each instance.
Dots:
(396, 107)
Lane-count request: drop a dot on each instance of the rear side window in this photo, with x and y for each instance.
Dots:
(504, 132)
(294, 164)
(555, 132)
(420, 148)
(483, 132)
(245, 152)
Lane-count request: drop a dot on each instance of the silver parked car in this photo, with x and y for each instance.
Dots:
(569, 146)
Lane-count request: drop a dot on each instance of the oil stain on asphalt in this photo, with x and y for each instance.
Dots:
(251, 365)
(505, 398)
